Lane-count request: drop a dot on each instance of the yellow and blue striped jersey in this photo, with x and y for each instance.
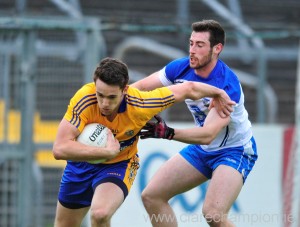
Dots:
(135, 110)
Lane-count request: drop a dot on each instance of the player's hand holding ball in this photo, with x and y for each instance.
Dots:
(112, 145)
(98, 135)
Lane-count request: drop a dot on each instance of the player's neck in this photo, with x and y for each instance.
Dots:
(111, 117)
(205, 71)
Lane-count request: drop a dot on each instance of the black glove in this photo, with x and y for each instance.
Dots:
(157, 129)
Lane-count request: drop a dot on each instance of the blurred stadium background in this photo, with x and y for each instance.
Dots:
(48, 49)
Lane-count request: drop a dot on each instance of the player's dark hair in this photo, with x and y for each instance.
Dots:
(217, 33)
(112, 72)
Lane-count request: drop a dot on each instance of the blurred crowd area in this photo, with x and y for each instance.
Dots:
(273, 28)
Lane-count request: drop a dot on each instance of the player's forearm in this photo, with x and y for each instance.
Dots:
(200, 90)
(194, 136)
(72, 150)
(203, 135)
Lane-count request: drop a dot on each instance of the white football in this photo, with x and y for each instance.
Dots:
(94, 134)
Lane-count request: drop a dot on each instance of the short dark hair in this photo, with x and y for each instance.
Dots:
(112, 72)
(217, 33)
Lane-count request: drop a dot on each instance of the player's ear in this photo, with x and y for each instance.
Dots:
(125, 89)
(218, 48)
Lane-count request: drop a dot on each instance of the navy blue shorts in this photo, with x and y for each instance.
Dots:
(81, 178)
(240, 158)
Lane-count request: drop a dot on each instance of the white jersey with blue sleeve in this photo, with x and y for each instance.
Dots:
(238, 132)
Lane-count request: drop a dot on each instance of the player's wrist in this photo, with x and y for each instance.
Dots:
(170, 133)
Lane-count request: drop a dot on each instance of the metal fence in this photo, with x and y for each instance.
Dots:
(42, 62)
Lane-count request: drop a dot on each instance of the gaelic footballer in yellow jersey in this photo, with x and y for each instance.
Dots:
(135, 110)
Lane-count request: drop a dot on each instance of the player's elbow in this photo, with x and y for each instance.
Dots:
(209, 137)
(56, 154)
(207, 140)
(56, 151)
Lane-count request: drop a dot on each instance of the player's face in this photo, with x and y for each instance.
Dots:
(201, 54)
(109, 97)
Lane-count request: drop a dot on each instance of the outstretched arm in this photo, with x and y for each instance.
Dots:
(190, 90)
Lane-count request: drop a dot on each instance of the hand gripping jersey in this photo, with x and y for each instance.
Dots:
(238, 132)
(136, 109)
